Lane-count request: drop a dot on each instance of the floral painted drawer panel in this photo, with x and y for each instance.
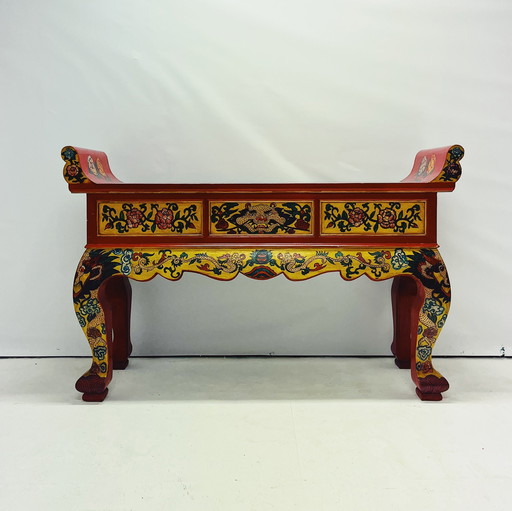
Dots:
(157, 218)
(383, 218)
(257, 218)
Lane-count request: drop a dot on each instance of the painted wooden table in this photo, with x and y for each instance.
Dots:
(380, 230)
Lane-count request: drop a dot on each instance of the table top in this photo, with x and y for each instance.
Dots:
(88, 171)
(257, 215)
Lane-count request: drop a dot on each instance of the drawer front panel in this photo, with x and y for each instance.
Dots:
(154, 218)
(373, 218)
(259, 218)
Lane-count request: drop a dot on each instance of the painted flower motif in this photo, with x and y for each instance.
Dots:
(90, 307)
(433, 306)
(69, 154)
(93, 333)
(425, 367)
(430, 332)
(356, 217)
(424, 352)
(399, 260)
(81, 319)
(99, 352)
(133, 218)
(164, 218)
(221, 225)
(301, 224)
(387, 218)
(103, 367)
(72, 170)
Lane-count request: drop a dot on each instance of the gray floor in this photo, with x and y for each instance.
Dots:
(255, 434)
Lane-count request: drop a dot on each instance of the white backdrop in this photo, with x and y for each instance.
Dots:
(266, 91)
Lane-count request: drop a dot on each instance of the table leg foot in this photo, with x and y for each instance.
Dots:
(93, 387)
(428, 397)
(430, 387)
(91, 383)
(95, 398)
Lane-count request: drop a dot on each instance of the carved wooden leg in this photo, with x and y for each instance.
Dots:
(404, 295)
(96, 320)
(94, 313)
(431, 317)
(119, 294)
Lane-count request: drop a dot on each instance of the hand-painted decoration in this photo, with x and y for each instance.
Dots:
(143, 264)
(373, 217)
(158, 218)
(86, 166)
(261, 218)
(137, 232)
(437, 165)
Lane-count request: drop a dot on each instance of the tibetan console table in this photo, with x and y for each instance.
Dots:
(383, 231)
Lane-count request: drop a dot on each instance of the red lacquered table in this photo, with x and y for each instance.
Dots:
(381, 230)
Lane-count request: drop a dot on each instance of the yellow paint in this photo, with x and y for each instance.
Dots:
(373, 218)
(152, 218)
(296, 264)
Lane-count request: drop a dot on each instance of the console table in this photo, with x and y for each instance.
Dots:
(381, 230)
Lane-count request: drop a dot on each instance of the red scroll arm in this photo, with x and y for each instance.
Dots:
(86, 166)
(437, 165)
